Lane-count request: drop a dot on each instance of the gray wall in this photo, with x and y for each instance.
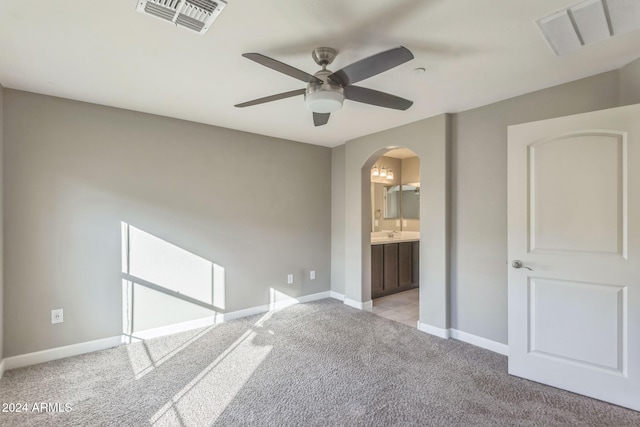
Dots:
(337, 219)
(630, 83)
(479, 196)
(258, 206)
(1, 227)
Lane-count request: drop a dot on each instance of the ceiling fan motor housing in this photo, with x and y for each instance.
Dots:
(326, 97)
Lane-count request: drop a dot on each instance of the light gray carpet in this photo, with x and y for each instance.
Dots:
(321, 363)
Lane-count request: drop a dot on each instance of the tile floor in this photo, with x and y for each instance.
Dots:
(401, 307)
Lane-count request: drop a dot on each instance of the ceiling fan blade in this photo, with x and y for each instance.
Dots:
(369, 67)
(320, 119)
(282, 67)
(272, 98)
(374, 97)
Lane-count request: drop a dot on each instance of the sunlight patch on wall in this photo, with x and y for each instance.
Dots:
(279, 300)
(218, 286)
(155, 260)
(165, 285)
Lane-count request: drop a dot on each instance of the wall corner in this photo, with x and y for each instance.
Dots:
(629, 83)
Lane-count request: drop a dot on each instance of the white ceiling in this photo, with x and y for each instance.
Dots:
(400, 153)
(475, 52)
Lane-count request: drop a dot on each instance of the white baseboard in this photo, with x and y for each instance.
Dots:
(277, 305)
(225, 317)
(174, 329)
(480, 342)
(485, 343)
(101, 344)
(336, 295)
(60, 352)
(245, 312)
(313, 297)
(359, 305)
(434, 330)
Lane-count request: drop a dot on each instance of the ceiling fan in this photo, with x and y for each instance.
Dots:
(327, 90)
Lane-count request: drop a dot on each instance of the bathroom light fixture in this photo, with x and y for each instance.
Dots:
(383, 171)
(375, 171)
(390, 175)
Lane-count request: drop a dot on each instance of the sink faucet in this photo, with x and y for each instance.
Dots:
(392, 233)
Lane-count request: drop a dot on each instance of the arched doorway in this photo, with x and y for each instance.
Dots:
(395, 236)
(429, 140)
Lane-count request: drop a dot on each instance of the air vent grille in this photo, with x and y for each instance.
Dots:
(208, 6)
(195, 15)
(589, 21)
(189, 22)
(159, 11)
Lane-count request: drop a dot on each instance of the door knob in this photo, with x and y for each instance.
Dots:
(518, 264)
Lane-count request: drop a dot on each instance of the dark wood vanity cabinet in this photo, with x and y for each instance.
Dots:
(405, 261)
(376, 269)
(390, 267)
(394, 268)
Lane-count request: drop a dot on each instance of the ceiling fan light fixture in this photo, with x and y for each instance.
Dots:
(326, 90)
(324, 101)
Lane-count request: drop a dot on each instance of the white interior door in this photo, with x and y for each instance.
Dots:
(574, 220)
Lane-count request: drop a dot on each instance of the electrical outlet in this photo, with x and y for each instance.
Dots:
(290, 279)
(57, 316)
(312, 275)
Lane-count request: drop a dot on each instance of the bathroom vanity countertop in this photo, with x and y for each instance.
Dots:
(384, 240)
(381, 238)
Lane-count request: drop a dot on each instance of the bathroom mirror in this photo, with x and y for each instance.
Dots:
(391, 197)
(385, 206)
(410, 202)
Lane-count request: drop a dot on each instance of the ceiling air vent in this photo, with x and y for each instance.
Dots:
(589, 21)
(196, 15)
